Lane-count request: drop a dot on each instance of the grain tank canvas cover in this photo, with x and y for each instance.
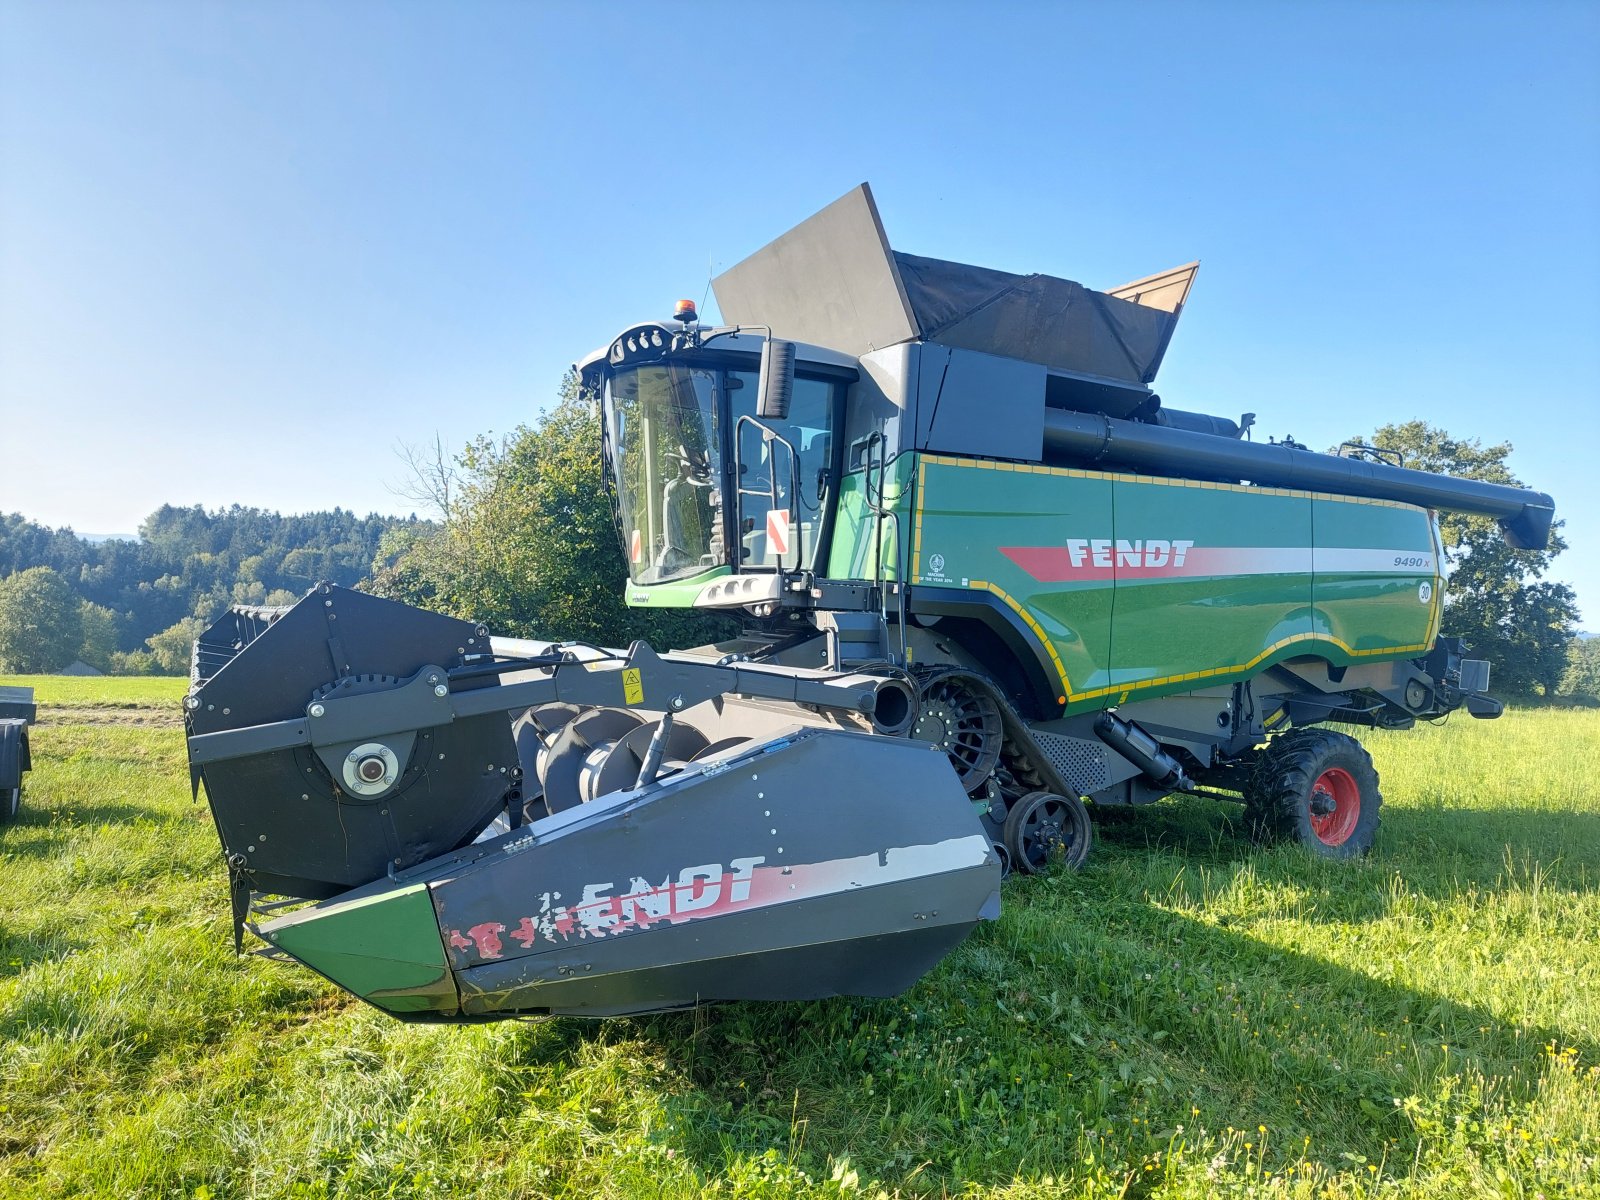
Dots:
(834, 281)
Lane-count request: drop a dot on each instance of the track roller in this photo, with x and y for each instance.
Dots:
(1043, 829)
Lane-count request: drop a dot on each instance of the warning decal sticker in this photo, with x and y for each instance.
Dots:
(778, 530)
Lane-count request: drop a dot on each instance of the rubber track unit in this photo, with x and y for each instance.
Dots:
(1278, 795)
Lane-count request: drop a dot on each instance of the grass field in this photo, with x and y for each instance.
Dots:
(1187, 1016)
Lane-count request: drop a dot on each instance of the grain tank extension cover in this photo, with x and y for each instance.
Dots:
(833, 280)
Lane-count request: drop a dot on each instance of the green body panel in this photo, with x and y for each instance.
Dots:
(680, 593)
(1370, 614)
(1144, 586)
(966, 513)
(1195, 623)
(384, 946)
(855, 527)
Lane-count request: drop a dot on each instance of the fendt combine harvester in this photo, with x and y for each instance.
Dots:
(986, 576)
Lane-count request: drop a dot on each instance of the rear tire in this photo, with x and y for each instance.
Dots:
(10, 802)
(1317, 788)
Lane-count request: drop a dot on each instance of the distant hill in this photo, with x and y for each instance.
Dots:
(188, 564)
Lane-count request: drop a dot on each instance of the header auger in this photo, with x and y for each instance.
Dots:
(989, 583)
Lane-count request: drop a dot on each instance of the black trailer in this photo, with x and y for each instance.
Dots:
(17, 712)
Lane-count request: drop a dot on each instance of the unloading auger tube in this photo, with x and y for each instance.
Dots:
(1524, 516)
(386, 761)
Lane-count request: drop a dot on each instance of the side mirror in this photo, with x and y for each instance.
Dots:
(776, 386)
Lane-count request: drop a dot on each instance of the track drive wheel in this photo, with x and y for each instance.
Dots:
(1043, 829)
(1318, 788)
(962, 719)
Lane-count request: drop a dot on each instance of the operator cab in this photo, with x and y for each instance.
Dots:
(704, 483)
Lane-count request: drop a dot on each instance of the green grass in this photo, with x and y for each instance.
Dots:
(1187, 1016)
(68, 698)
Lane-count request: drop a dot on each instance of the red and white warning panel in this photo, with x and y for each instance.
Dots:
(778, 530)
(636, 547)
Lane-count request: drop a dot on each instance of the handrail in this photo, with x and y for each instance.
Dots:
(768, 435)
(881, 511)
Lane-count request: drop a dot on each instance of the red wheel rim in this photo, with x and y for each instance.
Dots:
(1338, 787)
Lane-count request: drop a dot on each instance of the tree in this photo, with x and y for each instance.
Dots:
(41, 629)
(134, 662)
(171, 647)
(99, 635)
(528, 544)
(193, 561)
(1497, 599)
(1582, 676)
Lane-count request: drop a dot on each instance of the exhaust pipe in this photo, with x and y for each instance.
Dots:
(1143, 751)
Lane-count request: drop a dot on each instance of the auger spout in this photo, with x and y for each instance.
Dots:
(1524, 515)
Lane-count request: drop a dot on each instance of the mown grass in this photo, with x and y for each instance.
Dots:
(1187, 1016)
(105, 699)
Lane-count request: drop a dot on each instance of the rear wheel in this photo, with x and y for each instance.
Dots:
(10, 802)
(1318, 788)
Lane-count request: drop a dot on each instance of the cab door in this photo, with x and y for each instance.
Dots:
(790, 532)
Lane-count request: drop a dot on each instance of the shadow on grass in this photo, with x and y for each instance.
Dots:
(46, 833)
(1089, 1012)
(1058, 1045)
(19, 951)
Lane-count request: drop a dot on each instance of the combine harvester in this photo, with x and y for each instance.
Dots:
(985, 574)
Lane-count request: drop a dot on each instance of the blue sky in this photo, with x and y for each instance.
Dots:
(248, 249)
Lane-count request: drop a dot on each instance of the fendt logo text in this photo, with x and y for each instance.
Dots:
(1153, 552)
(1116, 560)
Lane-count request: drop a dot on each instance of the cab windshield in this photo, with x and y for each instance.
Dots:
(672, 430)
(667, 460)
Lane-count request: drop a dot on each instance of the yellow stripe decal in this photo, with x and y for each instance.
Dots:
(1191, 676)
(916, 524)
(1044, 638)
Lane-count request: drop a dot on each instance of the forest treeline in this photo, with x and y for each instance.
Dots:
(134, 606)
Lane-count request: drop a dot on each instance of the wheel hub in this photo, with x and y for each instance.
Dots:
(934, 724)
(1335, 806)
(1049, 836)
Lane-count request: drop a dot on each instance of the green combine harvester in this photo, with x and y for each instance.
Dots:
(990, 584)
